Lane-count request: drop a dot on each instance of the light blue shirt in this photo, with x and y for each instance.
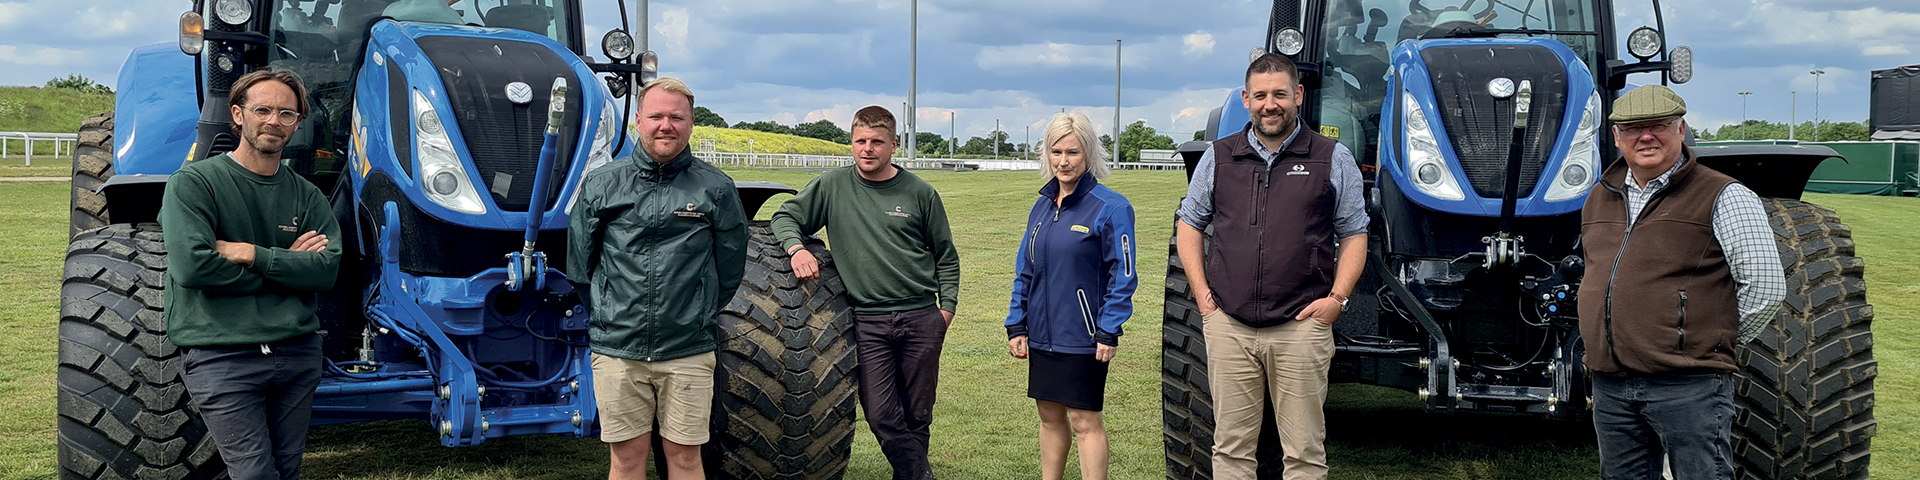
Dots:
(1350, 210)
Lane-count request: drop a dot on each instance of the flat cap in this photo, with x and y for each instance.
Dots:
(1651, 102)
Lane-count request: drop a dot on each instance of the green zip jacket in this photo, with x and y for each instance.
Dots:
(890, 239)
(661, 249)
(211, 301)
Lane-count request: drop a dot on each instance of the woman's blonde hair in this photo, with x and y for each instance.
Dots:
(1076, 124)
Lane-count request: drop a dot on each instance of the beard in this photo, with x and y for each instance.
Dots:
(265, 146)
(1281, 130)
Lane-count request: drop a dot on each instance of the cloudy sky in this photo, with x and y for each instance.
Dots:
(1021, 60)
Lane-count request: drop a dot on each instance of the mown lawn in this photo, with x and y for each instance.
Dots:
(984, 427)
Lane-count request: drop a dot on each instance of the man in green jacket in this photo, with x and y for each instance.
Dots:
(660, 242)
(895, 254)
(247, 247)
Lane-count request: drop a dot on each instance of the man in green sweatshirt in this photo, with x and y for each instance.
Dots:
(248, 246)
(895, 254)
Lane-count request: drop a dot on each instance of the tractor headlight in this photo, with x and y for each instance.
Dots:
(617, 44)
(602, 153)
(1680, 64)
(1582, 165)
(1289, 42)
(441, 171)
(234, 12)
(1429, 167)
(1644, 43)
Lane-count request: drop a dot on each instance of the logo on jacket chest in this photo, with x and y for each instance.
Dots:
(689, 213)
(1298, 169)
(292, 226)
(898, 212)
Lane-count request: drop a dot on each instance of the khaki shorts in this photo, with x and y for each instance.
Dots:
(632, 393)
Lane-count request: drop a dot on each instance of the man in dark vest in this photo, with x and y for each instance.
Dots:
(1682, 268)
(1271, 285)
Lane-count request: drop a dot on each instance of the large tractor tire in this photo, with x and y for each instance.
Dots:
(123, 408)
(1186, 402)
(786, 375)
(92, 166)
(1804, 400)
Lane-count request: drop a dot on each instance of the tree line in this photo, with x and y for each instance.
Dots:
(1805, 131)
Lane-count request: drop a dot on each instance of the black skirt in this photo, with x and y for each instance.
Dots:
(1077, 381)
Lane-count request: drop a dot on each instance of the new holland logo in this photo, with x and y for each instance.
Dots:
(689, 213)
(293, 225)
(1298, 170)
(898, 213)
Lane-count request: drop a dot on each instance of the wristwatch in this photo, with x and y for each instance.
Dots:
(1341, 299)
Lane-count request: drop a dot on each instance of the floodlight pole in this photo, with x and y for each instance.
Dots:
(913, 77)
(1115, 159)
(1743, 114)
(1816, 102)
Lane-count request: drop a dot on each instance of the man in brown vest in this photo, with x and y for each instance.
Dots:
(1682, 269)
(1271, 284)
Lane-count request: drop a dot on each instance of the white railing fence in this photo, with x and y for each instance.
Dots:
(780, 160)
(54, 145)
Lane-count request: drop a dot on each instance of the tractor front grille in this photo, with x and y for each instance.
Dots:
(504, 138)
(1481, 126)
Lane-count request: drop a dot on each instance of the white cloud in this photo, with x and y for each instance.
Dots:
(1198, 43)
(1051, 55)
(36, 55)
(1878, 50)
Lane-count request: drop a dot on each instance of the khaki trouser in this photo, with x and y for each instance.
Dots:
(1244, 364)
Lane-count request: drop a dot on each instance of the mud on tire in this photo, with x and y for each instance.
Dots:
(123, 408)
(786, 371)
(1804, 399)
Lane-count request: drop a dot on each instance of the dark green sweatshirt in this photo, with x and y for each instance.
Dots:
(212, 301)
(891, 243)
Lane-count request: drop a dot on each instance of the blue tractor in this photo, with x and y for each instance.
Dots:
(1480, 126)
(451, 137)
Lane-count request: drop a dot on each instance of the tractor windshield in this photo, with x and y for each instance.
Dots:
(1359, 34)
(322, 39)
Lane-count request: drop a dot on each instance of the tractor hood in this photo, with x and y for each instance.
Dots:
(1454, 103)
(483, 94)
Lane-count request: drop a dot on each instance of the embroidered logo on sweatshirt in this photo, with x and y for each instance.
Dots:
(898, 213)
(293, 225)
(689, 213)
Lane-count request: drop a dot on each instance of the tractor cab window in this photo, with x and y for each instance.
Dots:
(1359, 36)
(320, 40)
(545, 17)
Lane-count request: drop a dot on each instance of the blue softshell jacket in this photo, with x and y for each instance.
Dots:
(1074, 276)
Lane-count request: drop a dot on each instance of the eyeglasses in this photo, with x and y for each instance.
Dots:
(1643, 129)
(268, 114)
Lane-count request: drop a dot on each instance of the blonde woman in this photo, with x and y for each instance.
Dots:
(1072, 290)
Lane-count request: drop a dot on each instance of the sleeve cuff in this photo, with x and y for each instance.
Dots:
(950, 305)
(262, 260)
(1015, 331)
(1108, 339)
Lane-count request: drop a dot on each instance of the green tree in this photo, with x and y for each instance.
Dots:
(1765, 130)
(764, 126)
(1199, 134)
(930, 144)
(1106, 143)
(76, 82)
(1139, 136)
(823, 130)
(702, 117)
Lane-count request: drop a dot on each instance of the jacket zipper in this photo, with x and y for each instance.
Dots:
(1086, 312)
(1682, 347)
(1615, 272)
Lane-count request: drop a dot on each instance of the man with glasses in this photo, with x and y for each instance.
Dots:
(248, 245)
(1682, 269)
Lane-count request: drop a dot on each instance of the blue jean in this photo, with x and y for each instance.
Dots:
(256, 403)
(1687, 419)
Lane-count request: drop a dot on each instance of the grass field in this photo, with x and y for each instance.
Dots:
(984, 426)
(46, 110)
(732, 140)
